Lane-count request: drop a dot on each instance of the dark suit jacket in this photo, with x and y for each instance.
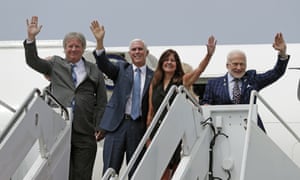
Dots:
(217, 93)
(122, 75)
(90, 94)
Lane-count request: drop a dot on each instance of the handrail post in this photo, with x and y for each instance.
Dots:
(277, 116)
(247, 138)
(19, 112)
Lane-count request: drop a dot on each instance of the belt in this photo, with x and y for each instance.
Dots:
(128, 117)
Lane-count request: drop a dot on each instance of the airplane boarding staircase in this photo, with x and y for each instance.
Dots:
(36, 142)
(218, 142)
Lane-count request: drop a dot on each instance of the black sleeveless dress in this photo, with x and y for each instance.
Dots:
(158, 96)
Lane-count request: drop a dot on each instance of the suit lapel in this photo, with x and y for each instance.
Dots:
(87, 68)
(69, 75)
(148, 79)
(226, 88)
(129, 74)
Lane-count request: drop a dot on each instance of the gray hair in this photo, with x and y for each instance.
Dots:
(138, 40)
(233, 52)
(76, 35)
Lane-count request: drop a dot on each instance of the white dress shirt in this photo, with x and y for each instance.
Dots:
(80, 71)
(143, 78)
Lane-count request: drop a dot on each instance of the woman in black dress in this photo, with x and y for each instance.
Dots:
(170, 72)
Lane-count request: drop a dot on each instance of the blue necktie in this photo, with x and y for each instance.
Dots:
(74, 78)
(236, 92)
(136, 93)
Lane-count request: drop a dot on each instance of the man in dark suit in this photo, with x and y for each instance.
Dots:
(220, 90)
(83, 89)
(123, 131)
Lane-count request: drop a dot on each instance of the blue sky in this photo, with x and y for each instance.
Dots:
(158, 22)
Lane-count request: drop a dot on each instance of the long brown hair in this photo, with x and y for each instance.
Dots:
(159, 72)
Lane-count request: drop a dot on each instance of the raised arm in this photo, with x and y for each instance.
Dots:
(280, 45)
(190, 78)
(31, 55)
(33, 28)
(98, 32)
(150, 107)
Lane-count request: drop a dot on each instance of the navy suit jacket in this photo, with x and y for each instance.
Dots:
(217, 93)
(122, 75)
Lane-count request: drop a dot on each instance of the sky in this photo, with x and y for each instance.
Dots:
(158, 22)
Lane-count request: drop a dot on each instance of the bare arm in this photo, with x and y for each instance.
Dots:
(190, 78)
(150, 107)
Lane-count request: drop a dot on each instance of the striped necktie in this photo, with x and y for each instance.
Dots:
(74, 78)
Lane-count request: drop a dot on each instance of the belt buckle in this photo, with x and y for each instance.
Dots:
(127, 116)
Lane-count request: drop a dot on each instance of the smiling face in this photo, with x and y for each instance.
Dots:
(74, 44)
(73, 50)
(138, 52)
(236, 64)
(169, 64)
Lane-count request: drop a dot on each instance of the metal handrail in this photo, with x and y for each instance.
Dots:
(253, 96)
(35, 92)
(56, 102)
(109, 173)
(256, 94)
(190, 97)
(7, 106)
(19, 113)
(146, 136)
(164, 105)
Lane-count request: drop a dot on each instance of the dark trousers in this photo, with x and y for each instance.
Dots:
(124, 140)
(82, 157)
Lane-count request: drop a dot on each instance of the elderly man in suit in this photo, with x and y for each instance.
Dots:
(81, 88)
(124, 130)
(222, 90)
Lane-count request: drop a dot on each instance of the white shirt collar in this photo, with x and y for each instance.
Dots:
(79, 63)
(143, 68)
(230, 77)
